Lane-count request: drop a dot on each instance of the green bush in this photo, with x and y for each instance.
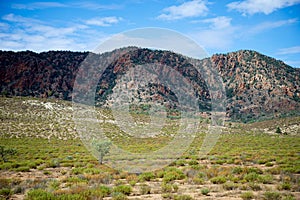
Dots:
(183, 197)
(39, 194)
(269, 164)
(265, 179)
(53, 163)
(102, 191)
(204, 191)
(218, 180)
(172, 174)
(272, 195)
(23, 169)
(285, 186)
(124, 189)
(193, 162)
(288, 197)
(250, 177)
(255, 170)
(147, 176)
(254, 186)
(247, 195)
(119, 196)
(5, 152)
(166, 188)
(237, 170)
(198, 181)
(70, 197)
(230, 186)
(145, 189)
(6, 193)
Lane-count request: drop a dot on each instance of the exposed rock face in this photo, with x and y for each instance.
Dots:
(47, 74)
(256, 85)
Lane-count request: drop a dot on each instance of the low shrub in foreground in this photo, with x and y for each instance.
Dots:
(39, 194)
(218, 180)
(124, 189)
(205, 191)
(247, 195)
(272, 195)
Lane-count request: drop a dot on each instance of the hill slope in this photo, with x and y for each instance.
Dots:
(257, 86)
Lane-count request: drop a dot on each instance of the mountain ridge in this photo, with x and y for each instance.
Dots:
(257, 85)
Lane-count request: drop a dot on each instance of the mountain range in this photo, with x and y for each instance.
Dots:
(256, 86)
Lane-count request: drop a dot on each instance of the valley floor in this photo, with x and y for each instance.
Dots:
(249, 161)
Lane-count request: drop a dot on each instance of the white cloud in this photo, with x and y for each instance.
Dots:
(270, 25)
(219, 35)
(218, 22)
(290, 50)
(50, 4)
(38, 5)
(251, 7)
(36, 35)
(95, 6)
(104, 21)
(215, 39)
(193, 8)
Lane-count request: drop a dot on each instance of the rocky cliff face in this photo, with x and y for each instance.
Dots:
(257, 86)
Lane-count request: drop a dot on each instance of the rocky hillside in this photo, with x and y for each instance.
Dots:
(257, 86)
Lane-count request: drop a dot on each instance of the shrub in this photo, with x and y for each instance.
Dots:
(198, 181)
(269, 164)
(237, 170)
(193, 162)
(71, 197)
(265, 179)
(247, 196)
(250, 177)
(230, 186)
(119, 196)
(254, 186)
(5, 152)
(53, 163)
(101, 191)
(166, 188)
(272, 195)
(288, 197)
(147, 176)
(6, 193)
(38, 194)
(278, 130)
(23, 169)
(285, 186)
(173, 174)
(145, 189)
(124, 189)
(180, 162)
(183, 197)
(204, 191)
(255, 170)
(218, 180)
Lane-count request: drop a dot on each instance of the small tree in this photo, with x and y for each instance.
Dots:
(4, 152)
(102, 147)
(278, 130)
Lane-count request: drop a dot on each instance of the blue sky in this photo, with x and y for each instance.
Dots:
(271, 27)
